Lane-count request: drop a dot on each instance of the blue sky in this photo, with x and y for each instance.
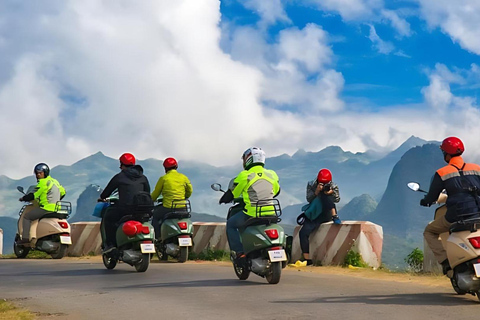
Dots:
(204, 80)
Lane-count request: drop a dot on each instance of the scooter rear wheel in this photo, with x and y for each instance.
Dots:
(62, 250)
(183, 255)
(273, 276)
(109, 261)
(456, 288)
(142, 266)
(241, 272)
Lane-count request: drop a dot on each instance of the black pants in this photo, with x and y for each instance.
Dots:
(309, 226)
(110, 220)
(159, 213)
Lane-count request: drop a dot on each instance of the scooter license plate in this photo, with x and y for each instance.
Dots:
(147, 247)
(476, 267)
(184, 242)
(65, 240)
(277, 255)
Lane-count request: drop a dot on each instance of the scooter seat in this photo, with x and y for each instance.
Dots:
(54, 215)
(261, 221)
(471, 225)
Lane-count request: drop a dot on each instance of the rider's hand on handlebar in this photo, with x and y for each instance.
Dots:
(20, 199)
(425, 203)
(101, 200)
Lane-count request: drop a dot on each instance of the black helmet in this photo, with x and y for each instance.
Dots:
(42, 167)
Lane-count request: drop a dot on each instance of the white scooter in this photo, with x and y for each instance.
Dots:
(462, 244)
(50, 234)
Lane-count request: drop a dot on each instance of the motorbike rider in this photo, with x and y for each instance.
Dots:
(252, 184)
(462, 183)
(172, 186)
(322, 194)
(129, 182)
(47, 192)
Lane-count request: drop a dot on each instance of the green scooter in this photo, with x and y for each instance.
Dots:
(176, 232)
(134, 237)
(262, 238)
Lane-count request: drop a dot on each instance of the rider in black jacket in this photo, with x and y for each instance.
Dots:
(129, 182)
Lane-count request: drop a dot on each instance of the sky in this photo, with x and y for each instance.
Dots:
(204, 80)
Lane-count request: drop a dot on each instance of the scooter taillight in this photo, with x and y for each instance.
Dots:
(63, 224)
(272, 233)
(475, 242)
(182, 225)
(145, 230)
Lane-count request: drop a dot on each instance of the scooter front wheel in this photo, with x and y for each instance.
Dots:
(241, 272)
(273, 276)
(20, 251)
(109, 261)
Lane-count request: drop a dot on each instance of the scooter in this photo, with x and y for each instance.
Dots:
(462, 244)
(176, 232)
(263, 240)
(134, 236)
(50, 233)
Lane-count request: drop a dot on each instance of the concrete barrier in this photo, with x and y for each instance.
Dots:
(1, 242)
(330, 243)
(86, 237)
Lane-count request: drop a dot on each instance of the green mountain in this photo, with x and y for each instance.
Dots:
(360, 208)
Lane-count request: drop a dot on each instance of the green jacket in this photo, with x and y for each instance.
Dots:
(255, 184)
(172, 186)
(47, 192)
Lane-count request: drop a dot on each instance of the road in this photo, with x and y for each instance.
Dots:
(84, 289)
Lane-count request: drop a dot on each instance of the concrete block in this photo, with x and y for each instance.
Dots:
(330, 243)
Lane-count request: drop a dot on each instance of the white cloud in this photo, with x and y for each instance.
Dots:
(270, 11)
(401, 25)
(460, 19)
(351, 9)
(384, 47)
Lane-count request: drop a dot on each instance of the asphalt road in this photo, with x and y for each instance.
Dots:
(84, 289)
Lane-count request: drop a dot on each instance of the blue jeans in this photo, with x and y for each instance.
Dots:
(233, 235)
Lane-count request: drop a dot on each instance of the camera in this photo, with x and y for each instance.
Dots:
(327, 187)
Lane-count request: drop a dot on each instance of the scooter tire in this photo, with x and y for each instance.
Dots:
(20, 251)
(142, 266)
(183, 255)
(241, 272)
(108, 261)
(457, 289)
(273, 276)
(61, 252)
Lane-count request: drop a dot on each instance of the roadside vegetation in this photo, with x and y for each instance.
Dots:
(10, 312)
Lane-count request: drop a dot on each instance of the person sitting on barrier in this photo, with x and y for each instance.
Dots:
(253, 184)
(322, 194)
(173, 186)
(129, 182)
(47, 192)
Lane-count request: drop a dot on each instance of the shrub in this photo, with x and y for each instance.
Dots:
(415, 260)
(354, 258)
(210, 255)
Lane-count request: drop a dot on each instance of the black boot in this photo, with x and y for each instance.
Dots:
(445, 266)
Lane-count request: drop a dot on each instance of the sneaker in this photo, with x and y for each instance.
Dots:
(240, 259)
(309, 262)
(109, 248)
(336, 220)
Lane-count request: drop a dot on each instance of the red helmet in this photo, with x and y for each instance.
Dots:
(170, 163)
(324, 176)
(452, 146)
(127, 159)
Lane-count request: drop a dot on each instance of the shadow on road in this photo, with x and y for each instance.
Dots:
(416, 299)
(70, 273)
(195, 284)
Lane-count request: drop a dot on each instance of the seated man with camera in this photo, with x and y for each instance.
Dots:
(322, 194)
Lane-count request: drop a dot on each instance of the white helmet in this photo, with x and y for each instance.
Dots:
(252, 156)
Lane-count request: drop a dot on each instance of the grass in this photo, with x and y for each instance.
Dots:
(10, 312)
(33, 254)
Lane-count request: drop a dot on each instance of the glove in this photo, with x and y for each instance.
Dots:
(20, 199)
(336, 220)
(227, 197)
(425, 203)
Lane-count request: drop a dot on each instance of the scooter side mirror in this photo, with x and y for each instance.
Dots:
(414, 186)
(20, 189)
(216, 187)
